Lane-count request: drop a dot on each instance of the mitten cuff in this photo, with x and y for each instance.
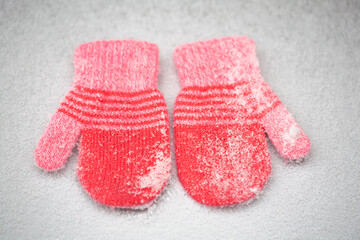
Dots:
(125, 65)
(216, 62)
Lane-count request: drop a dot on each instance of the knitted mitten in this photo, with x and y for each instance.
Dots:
(220, 117)
(114, 104)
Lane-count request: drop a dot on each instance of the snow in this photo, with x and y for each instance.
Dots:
(308, 53)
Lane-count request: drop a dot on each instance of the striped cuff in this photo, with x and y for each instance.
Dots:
(115, 110)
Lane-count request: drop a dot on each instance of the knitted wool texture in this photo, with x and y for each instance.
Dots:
(114, 104)
(219, 119)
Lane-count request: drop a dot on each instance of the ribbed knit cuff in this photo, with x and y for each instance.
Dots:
(216, 62)
(125, 65)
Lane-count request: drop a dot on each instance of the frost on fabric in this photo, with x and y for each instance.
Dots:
(227, 160)
(286, 135)
(124, 168)
(157, 175)
(292, 134)
(225, 165)
(220, 116)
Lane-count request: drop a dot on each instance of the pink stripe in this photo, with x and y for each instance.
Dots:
(239, 121)
(195, 100)
(217, 115)
(114, 114)
(106, 127)
(115, 107)
(115, 98)
(99, 120)
(212, 112)
(123, 117)
(207, 87)
(210, 101)
(125, 103)
(223, 106)
(115, 93)
(214, 109)
(238, 92)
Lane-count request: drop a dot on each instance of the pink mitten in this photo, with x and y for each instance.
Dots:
(124, 158)
(220, 117)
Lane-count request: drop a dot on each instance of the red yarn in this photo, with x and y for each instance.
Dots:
(124, 152)
(220, 116)
(123, 168)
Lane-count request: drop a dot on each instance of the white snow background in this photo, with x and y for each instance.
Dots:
(309, 53)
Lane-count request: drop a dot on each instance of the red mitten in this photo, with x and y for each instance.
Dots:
(220, 117)
(124, 158)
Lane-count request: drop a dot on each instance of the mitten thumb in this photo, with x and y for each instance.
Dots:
(57, 141)
(286, 135)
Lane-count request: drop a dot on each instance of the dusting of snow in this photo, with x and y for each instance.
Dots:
(291, 135)
(227, 162)
(294, 131)
(158, 173)
(254, 190)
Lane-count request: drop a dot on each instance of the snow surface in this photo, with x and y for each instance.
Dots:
(309, 53)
